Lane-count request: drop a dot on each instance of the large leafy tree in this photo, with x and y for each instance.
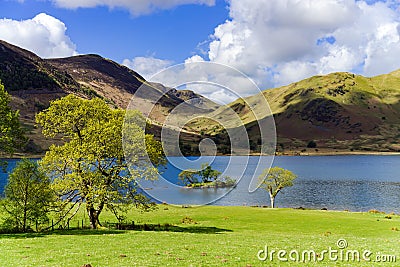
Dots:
(91, 167)
(28, 197)
(274, 180)
(11, 133)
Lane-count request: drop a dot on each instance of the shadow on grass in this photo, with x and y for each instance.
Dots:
(62, 232)
(181, 229)
(138, 227)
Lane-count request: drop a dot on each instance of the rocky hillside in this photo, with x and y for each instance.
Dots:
(33, 82)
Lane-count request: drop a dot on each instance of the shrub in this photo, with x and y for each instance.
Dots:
(312, 144)
(188, 220)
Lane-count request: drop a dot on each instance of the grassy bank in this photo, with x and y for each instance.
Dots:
(208, 236)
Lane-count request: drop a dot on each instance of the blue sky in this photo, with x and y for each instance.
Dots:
(115, 33)
(274, 42)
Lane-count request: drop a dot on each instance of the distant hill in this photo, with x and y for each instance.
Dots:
(335, 112)
(340, 110)
(325, 113)
(33, 82)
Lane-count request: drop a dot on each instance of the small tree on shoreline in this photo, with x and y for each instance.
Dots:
(274, 180)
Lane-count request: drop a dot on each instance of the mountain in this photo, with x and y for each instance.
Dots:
(340, 110)
(326, 113)
(335, 112)
(33, 82)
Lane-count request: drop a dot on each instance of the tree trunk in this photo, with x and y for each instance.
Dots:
(94, 215)
(272, 198)
(24, 221)
(26, 194)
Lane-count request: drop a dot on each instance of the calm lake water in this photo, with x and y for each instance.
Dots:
(356, 183)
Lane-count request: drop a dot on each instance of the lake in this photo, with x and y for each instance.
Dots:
(354, 182)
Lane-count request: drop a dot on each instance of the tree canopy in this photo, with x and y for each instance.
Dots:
(274, 180)
(28, 197)
(205, 175)
(11, 133)
(90, 167)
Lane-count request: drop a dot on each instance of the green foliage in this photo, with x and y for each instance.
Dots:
(88, 91)
(155, 150)
(218, 183)
(205, 175)
(312, 144)
(20, 76)
(275, 179)
(225, 182)
(22, 71)
(11, 133)
(27, 197)
(189, 176)
(91, 167)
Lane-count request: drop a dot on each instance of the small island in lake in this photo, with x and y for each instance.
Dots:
(206, 177)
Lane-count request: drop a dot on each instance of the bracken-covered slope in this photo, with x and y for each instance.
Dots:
(338, 111)
(33, 82)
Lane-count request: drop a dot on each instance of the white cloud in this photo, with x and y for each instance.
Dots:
(222, 97)
(218, 82)
(43, 35)
(135, 7)
(147, 66)
(292, 71)
(383, 52)
(195, 58)
(277, 42)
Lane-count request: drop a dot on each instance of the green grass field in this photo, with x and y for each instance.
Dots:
(210, 236)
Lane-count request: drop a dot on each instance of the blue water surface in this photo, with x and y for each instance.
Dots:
(354, 182)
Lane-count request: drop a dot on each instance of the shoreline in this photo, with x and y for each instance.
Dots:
(327, 152)
(340, 153)
(324, 209)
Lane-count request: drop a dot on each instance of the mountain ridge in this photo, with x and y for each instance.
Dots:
(339, 111)
(335, 112)
(34, 82)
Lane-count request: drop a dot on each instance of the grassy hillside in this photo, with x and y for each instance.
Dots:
(208, 236)
(339, 111)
